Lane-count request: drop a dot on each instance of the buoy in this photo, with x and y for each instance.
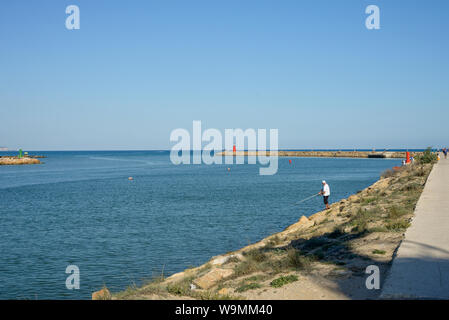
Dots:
(290, 161)
(130, 178)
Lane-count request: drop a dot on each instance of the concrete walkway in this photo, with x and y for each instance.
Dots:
(421, 266)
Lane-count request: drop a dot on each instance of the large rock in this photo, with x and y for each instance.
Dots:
(302, 223)
(212, 277)
(223, 259)
(18, 161)
(102, 294)
(303, 220)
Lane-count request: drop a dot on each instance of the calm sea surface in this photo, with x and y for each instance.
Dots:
(80, 208)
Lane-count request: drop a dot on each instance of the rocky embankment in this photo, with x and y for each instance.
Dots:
(324, 256)
(18, 161)
(323, 154)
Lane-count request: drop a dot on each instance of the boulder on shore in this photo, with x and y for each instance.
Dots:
(102, 294)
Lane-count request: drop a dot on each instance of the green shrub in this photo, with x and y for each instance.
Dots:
(421, 172)
(370, 200)
(282, 281)
(411, 187)
(398, 226)
(232, 259)
(255, 255)
(427, 157)
(378, 229)
(180, 288)
(376, 251)
(360, 221)
(297, 261)
(248, 286)
(245, 267)
(396, 212)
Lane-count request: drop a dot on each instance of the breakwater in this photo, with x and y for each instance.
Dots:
(18, 161)
(322, 154)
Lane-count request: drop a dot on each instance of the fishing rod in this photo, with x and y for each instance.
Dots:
(301, 201)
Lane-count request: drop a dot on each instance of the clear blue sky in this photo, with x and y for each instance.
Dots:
(136, 70)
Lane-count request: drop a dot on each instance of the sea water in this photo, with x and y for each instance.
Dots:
(79, 208)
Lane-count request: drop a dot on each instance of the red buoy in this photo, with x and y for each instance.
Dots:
(290, 161)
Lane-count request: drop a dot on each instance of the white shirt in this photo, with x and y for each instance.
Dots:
(326, 190)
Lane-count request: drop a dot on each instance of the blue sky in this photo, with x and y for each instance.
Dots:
(136, 70)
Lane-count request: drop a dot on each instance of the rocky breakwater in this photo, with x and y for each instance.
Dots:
(18, 161)
(323, 154)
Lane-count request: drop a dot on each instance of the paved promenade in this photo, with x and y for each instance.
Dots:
(421, 267)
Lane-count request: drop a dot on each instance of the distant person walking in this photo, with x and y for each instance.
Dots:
(325, 192)
(445, 153)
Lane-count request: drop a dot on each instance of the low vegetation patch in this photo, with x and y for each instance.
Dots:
(396, 212)
(369, 200)
(245, 267)
(427, 157)
(360, 221)
(298, 261)
(232, 259)
(248, 286)
(282, 281)
(398, 225)
(180, 288)
(255, 255)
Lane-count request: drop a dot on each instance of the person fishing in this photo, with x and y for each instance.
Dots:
(325, 192)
